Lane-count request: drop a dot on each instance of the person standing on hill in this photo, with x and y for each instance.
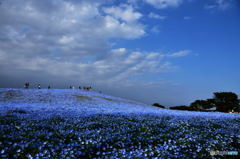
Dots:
(49, 87)
(26, 85)
(39, 86)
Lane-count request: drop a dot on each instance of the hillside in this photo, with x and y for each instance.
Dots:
(64, 123)
(69, 102)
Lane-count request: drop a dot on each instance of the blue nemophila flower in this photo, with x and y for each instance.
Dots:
(72, 129)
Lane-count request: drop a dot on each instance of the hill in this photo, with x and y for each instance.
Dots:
(70, 102)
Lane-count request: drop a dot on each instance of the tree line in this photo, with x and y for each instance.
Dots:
(221, 102)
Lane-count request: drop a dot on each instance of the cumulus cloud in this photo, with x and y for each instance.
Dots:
(62, 31)
(63, 27)
(124, 12)
(71, 38)
(161, 4)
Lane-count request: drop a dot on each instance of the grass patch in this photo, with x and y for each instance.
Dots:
(109, 99)
(84, 98)
(115, 100)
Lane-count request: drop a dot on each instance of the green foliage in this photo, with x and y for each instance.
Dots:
(158, 105)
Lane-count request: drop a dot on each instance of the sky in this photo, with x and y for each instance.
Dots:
(167, 51)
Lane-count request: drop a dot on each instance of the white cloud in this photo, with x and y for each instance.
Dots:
(219, 5)
(179, 53)
(124, 12)
(122, 21)
(117, 29)
(66, 40)
(119, 51)
(119, 64)
(156, 16)
(64, 28)
(161, 4)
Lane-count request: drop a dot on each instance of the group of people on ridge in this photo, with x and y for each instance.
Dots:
(83, 87)
(26, 85)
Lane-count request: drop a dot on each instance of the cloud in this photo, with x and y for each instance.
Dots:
(71, 40)
(219, 5)
(156, 16)
(161, 4)
(179, 54)
(63, 30)
(124, 12)
(119, 64)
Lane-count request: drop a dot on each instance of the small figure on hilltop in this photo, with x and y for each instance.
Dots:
(87, 88)
(26, 85)
(39, 86)
(70, 87)
(80, 87)
(49, 87)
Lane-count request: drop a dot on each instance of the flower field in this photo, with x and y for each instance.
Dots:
(82, 124)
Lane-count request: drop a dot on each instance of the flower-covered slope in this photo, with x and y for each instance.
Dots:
(79, 102)
(59, 123)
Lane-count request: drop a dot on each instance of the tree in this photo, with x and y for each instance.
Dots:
(158, 105)
(226, 101)
(182, 107)
(198, 104)
(211, 103)
(203, 104)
